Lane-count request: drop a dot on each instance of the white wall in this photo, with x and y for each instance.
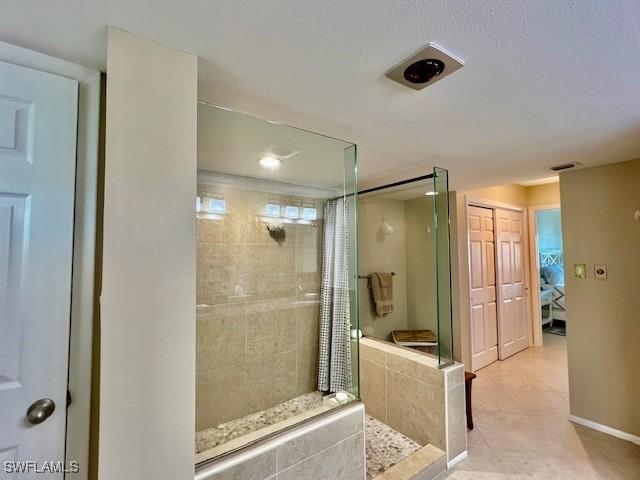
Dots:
(422, 288)
(380, 253)
(147, 375)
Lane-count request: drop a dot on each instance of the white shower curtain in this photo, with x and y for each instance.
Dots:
(334, 362)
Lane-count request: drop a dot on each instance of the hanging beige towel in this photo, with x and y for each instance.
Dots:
(382, 289)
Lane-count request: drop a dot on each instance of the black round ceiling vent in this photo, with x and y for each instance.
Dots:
(423, 71)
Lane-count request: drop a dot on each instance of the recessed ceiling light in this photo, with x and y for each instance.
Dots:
(430, 194)
(270, 162)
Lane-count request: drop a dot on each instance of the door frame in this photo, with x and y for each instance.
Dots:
(84, 242)
(536, 312)
(473, 201)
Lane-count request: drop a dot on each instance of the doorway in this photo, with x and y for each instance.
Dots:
(547, 272)
(498, 282)
(49, 118)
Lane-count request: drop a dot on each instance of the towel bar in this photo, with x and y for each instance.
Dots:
(367, 276)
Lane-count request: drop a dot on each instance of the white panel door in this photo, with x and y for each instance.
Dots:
(37, 177)
(513, 333)
(482, 281)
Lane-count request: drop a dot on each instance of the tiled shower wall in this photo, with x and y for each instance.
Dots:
(258, 307)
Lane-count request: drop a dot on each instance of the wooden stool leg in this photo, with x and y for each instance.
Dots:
(469, 411)
(468, 379)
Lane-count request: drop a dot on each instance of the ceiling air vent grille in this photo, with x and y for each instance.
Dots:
(565, 166)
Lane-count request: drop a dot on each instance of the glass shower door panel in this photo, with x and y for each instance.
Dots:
(443, 266)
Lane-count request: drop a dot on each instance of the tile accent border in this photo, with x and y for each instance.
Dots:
(629, 437)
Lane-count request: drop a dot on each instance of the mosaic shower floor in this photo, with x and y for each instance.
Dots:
(226, 432)
(385, 447)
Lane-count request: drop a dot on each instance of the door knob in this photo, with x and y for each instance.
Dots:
(40, 410)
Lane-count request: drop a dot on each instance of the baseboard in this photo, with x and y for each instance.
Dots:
(454, 461)
(604, 429)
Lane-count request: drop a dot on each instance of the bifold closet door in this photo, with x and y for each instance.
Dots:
(512, 317)
(482, 281)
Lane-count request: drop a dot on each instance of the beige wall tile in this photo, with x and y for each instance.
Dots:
(373, 389)
(270, 332)
(405, 390)
(234, 222)
(271, 259)
(271, 380)
(308, 259)
(416, 409)
(456, 422)
(221, 395)
(278, 337)
(220, 336)
(220, 268)
(408, 366)
(274, 286)
(210, 231)
(308, 321)
(455, 375)
(344, 461)
(305, 446)
(306, 370)
(308, 284)
(371, 353)
(260, 467)
(310, 235)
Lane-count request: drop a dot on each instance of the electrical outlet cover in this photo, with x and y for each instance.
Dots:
(600, 271)
(580, 270)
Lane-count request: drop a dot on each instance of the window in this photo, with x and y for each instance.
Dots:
(273, 210)
(309, 213)
(291, 212)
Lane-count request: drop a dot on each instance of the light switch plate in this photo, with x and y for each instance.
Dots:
(580, 270)
(600, 271)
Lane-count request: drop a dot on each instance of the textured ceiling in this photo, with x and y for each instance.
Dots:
(545, 81)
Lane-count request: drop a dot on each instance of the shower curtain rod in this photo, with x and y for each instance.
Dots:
(396, 184)
(389, 185)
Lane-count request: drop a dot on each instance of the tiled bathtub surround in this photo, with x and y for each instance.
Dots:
(327, 447)
(258, 305)
(407, 391)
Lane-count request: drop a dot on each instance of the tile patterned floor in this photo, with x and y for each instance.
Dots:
(522, 431)
(385, 447)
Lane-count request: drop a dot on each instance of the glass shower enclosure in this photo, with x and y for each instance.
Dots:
(404, 235)
(277, 297)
